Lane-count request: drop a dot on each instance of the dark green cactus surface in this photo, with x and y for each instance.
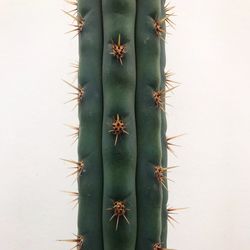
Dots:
(122, 147)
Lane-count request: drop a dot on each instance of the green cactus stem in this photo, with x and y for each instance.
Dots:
(122, 164)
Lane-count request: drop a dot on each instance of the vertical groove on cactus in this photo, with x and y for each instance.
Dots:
(119, 160)
(149, 192)
(90, 113)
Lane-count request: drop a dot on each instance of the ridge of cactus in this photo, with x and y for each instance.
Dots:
(119, 146)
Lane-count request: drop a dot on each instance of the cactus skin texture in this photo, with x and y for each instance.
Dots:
(122, 149)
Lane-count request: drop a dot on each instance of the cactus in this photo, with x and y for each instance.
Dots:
(122, 167)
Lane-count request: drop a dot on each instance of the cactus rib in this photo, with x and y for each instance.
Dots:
(90, 113)
(119, 157)
(149, 192)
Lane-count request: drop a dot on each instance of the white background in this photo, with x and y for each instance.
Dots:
(209, 52)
